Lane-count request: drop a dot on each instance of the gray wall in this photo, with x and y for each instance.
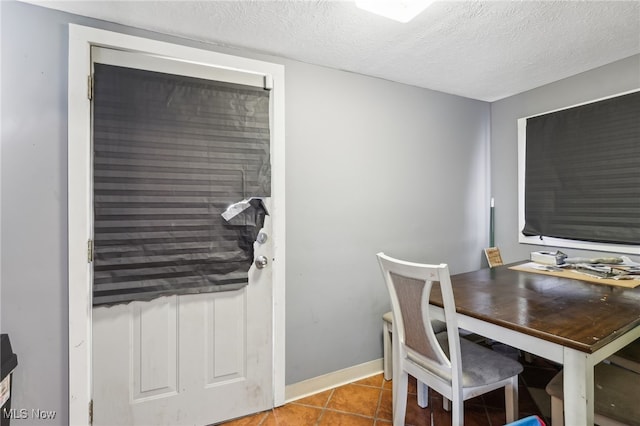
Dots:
(371, 165)
(33, 293)
(604, 81)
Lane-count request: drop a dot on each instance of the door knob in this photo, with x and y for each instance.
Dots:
(262, 237)
(261, 262)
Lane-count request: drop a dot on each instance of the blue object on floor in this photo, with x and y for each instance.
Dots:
(528, 421)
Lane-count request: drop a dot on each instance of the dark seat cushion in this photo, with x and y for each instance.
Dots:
(480, 365)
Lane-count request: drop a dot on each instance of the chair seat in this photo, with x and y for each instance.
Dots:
(480, 365)
(616, 393)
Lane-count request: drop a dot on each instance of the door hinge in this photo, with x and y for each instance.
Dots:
(90, 86)
(91, 412)
(90, 251)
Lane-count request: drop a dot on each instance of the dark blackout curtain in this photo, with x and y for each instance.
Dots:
(171, 153)
(582, 176)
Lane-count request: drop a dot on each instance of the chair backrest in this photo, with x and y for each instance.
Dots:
(409, 286)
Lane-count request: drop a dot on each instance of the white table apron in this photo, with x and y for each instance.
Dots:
(578, 365)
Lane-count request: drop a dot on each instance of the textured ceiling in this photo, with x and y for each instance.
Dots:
(484, 50)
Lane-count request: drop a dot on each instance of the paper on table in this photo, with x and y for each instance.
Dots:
(573, 274)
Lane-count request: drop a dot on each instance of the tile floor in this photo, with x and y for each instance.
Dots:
(367, 402)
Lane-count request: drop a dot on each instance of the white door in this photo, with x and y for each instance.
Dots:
(188, 359)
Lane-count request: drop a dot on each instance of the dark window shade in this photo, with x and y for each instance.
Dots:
(582, 176)
(171, 153)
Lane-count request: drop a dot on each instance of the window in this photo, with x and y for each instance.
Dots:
(579, 176)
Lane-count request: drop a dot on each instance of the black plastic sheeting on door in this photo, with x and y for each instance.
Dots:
(171, 153)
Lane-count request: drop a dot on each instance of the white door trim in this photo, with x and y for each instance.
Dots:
(79, 197)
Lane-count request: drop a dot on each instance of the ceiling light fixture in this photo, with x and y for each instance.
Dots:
(398, 10)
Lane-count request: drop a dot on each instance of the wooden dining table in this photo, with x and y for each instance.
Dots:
(569, 321)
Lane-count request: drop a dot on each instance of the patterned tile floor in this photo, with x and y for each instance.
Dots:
(367, 402)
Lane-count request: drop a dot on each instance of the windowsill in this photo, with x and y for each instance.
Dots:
(583, 245)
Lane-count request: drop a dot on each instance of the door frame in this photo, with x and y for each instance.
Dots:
(80, 197)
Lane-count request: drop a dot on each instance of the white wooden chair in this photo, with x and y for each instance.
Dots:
(456, 368)
(616, 391)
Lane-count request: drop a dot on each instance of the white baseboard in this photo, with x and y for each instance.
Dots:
(332, 380)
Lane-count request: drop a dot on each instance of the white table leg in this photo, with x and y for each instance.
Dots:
(578, 388)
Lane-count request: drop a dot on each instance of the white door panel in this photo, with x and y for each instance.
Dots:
(225, 337)
(154, 349)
